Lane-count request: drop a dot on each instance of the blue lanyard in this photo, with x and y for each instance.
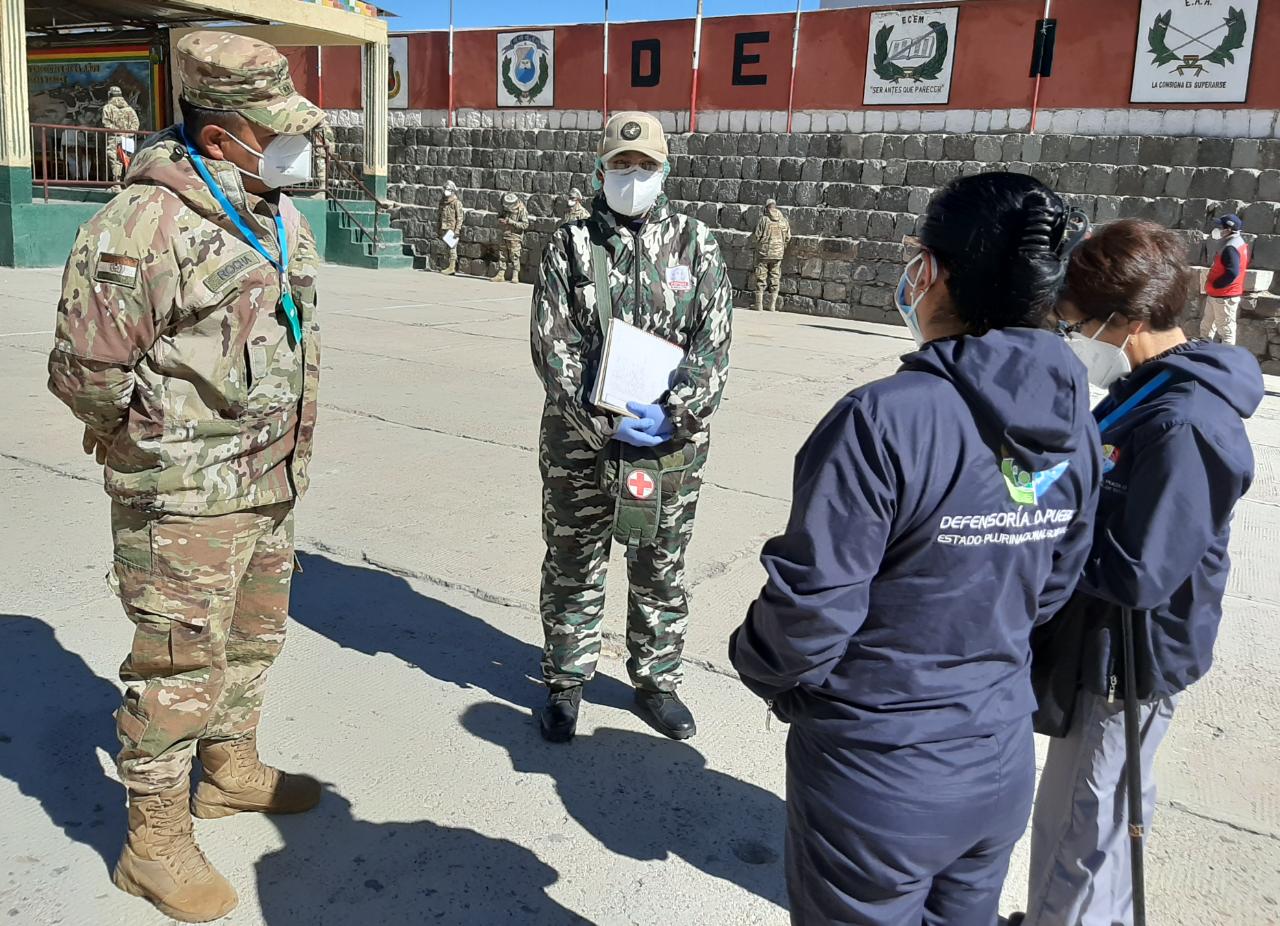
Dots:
(1156, 384)
(282, 265)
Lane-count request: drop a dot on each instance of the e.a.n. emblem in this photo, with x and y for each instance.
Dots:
(526, 67)
(1190, 53)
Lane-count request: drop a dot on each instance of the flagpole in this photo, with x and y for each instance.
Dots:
(795, 49)
(1035, 95)
(606, 61)
(697, 52)
(451, 117)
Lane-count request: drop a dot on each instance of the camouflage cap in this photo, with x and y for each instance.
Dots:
(450, 186)
(633, 131)
(509, 198)
(115, 91)
(575, 193)
(223, 70)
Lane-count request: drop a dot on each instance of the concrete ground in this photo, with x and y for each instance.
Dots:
(406, 684)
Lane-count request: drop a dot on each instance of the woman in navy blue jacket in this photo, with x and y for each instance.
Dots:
(937, 515)
(1176, 461)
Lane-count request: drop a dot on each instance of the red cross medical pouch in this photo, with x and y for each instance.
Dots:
(640, 479)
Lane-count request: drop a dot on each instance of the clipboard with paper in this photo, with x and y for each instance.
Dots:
(635, 366)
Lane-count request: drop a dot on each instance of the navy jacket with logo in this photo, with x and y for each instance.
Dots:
(921, 549)
(1174, 469)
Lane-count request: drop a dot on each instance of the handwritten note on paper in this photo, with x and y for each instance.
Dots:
(636, 367)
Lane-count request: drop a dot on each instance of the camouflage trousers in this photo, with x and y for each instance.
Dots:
(114, 165)
(768, 275)
(510, 248)
(209, 598)
(579, 488)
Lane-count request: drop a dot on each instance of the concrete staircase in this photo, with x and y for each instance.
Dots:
(850, 198)
(349, 245)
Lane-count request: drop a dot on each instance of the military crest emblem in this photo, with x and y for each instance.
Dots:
(910, 57)
(526, 68)
(1194, 51)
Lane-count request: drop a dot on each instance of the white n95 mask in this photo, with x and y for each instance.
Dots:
(633, 190)
(908, 310)
(1104, 362)
(286, 161)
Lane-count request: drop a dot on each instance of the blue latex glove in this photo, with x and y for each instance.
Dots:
(651, 426)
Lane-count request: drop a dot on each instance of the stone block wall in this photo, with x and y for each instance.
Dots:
(850, 198)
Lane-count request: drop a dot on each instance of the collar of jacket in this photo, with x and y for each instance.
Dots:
(607, 221)
(164, 162)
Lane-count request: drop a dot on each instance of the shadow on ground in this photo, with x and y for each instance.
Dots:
(335, 870)
(641, 796)
(54, 714)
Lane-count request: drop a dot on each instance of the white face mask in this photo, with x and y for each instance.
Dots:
(286, 161)
(908, 310)
(1104, 362)
(1216, 233)
(633, 190)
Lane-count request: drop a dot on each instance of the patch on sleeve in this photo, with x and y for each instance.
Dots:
(117, 269)
(229, 272)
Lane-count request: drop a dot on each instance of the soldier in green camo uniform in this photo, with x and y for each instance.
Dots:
(631, 477)
(513, 222)
(770, 242)
(193, 361)
(576, 210)
(451, 219)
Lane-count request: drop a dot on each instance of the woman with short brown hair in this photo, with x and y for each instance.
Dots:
(1176, 461)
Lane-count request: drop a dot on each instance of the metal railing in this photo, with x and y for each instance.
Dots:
(343, 185)
(79, 156)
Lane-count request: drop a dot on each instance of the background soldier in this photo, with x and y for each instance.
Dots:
(770, 241)
(320, 159)
(513, 222)
(633, 478)
(1225, 283)
(119, 115)
(451, 218)
(194, 366)
(576, 210)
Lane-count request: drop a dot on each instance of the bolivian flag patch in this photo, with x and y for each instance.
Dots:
(117, 269)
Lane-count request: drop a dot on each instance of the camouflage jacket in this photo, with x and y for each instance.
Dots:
(674, 285)
(451, 216)
(516, 219)
(771, 237)
(170, 346)
(576, 211)
(117, 114)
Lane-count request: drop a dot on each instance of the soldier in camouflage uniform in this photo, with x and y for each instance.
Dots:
(770, 242)
(451, 219)
(576, 210)
(193, 361)
(119, 115)
(513, 222)
(665, 275)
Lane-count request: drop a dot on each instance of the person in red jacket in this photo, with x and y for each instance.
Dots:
(1225, 284)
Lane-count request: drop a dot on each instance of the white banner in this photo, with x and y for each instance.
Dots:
(398, 72)
(1194, 52)
(910, 54)
(526, 68)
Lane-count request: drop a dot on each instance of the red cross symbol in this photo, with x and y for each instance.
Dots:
(640, 484)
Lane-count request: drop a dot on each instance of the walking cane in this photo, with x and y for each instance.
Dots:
(1133, 767)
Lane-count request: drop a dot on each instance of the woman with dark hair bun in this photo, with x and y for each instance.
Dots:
(937, 515)
(1176, 461)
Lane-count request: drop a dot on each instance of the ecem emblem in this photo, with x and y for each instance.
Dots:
(631, 131)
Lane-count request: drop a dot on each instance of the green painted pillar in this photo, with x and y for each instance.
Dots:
(15, 126)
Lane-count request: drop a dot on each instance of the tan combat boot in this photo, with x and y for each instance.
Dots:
(773, 302)
(162, 863)
(235, 780)
(759, 301)
(450, 268)
(500, 275)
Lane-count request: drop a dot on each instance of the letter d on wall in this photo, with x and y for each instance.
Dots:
(652, 75)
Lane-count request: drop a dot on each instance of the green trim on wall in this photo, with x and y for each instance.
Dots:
(15, 184)
(40, 234)
(377, 184)
(316, 212)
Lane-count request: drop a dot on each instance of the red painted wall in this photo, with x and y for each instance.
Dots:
(716, 89)
(302, 68)
(1093, 63)
(676, 74)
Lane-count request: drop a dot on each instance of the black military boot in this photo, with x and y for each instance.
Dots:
(666, 713)
(558, 721)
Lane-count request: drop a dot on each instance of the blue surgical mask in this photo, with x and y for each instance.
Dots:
(908, 311)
